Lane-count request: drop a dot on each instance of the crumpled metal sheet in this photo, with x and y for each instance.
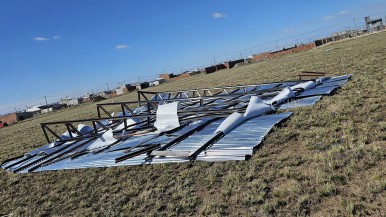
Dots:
(167, 117)
(242, 140)
(307, 101)
(338, 78)
(318, 91)
(107, 158)
(283, 95)
(332, 83)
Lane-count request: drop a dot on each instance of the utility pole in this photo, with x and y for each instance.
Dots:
(45, 98)
(108, 88)
(277, 48)
(214, 60)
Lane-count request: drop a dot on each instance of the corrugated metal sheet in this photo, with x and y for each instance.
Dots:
(237, 144)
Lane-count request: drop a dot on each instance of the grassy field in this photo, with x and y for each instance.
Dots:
(326, 160)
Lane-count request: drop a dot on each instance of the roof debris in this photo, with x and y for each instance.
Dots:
(213, 124)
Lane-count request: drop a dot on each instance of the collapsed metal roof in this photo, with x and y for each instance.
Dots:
(213, 124)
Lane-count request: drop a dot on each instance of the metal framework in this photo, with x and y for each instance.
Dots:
(198, 97)
(194, 102)
(210, 92)
(212, 104)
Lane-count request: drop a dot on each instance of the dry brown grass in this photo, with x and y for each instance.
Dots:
(326, 160)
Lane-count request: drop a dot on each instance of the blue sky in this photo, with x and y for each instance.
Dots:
(59, 48)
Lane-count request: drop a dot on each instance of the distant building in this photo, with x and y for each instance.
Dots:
(114, 93)
(88, 97)
(339, 36)
(214, 68)
(76, 101)
(46, 110)
(158, 81)
(173, 77)
(34, 110)
(231, 63)
(374, 25)
(196, 72)
(105, 94)
(124, 89)
(42, 109)
(64, 102)
(142, 85)
(284, 51)
(15, 117)
(50, 107)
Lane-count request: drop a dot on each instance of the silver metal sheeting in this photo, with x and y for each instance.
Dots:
(308, 101)
(238, 144)
(241, 141)
(234, 146)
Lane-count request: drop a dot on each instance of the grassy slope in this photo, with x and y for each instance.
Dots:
(326, 160)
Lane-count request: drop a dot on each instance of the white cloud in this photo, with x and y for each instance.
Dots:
(288, 29)
(121, 47)
(343, 12)
(55, 37)
(218, 15)
(41, 39)
(340, 13)
(328, 17)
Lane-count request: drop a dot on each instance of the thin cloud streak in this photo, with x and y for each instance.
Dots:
(288, 30)
(218, 15)
(328, 18)
(121, 47)
(340, 13)
(55, 37)
(343, 12)
(41, 39)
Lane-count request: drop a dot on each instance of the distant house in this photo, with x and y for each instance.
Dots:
(173, 77)
(339, 36)
(15, 117)
(46, 110)
(87, 97)
(214, 68)
(34, 110)
(231, 63)
(105, 94)
(76, 101)
(64, 102)
(50, 107)
(41, 109)
(124, 89)
(142, 85)
(196, 72)
(114, 93)
(158, 81)
(374, 25)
